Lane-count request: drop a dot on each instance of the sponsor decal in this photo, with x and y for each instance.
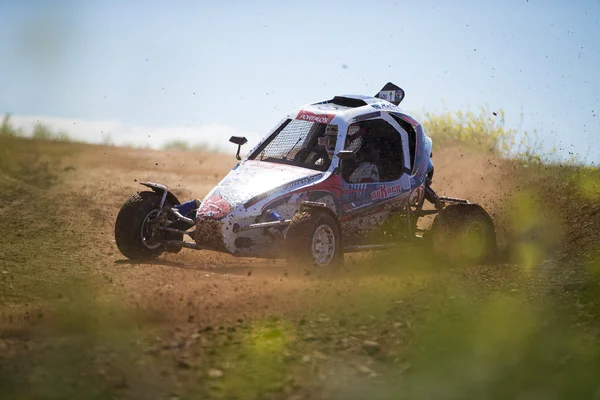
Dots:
(416, 195)
(363, 117)
(385, 191)
(421, 172)
(383, 106)
(355, 188)
(215, 207)
(313, 117)
(283, 188)
(419, 177)
(300, 182)
(356, 193)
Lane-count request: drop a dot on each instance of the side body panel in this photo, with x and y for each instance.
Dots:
(366, 206)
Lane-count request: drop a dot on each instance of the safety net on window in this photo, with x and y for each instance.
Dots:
(296, 143)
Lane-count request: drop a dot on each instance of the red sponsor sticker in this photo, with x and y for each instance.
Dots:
(215, 207)
(312, 117)
(416, 195)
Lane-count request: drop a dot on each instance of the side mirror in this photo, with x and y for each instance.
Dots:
(346, 155)
(240, 141)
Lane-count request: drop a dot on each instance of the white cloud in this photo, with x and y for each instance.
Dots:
(214, 135)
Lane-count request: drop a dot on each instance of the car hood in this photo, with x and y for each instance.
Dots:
(252, 181)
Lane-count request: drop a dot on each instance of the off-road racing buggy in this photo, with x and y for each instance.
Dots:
(347, 174)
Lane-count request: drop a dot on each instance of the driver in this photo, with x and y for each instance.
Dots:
(362, 170)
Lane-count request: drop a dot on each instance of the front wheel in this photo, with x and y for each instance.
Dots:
(313, 238)
(464, 234)
(136, 232)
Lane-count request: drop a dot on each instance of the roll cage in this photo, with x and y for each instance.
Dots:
(295, 142)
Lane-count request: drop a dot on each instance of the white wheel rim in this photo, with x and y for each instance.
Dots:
(323, 245)
(146, 235)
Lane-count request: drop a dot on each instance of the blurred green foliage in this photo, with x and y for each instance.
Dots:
(482, 131)
(7, 129)
(43, 132)
(40, 131)
(182, 145)
(486, 131)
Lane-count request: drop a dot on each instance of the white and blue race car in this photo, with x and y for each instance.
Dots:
(347, 174)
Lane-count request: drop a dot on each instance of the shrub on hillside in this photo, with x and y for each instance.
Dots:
(483, 131)
(182, 145)
(43, 132)
(7, 128)
(486, 131)
(176, 145)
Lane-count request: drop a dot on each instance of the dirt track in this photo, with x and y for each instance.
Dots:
(180, 313)
(105, 177)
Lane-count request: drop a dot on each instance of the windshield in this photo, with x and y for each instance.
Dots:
(295, 142)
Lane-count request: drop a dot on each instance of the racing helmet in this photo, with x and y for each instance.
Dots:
(330, 139)
(354, 139)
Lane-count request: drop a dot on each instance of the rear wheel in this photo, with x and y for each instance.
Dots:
(136, 233)
(313, 238)
(464, 234)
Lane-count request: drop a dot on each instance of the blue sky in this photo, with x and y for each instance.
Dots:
(153, 70)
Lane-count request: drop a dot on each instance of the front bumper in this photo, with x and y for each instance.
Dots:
(209, 234)
(244, 238)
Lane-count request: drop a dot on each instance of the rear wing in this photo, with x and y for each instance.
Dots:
(391, 93)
